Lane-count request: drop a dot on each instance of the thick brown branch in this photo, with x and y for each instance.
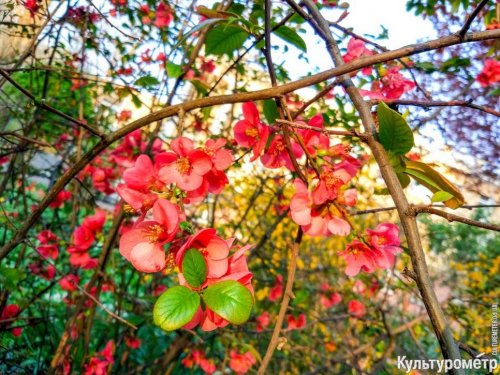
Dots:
(229, 99)
(438, 319)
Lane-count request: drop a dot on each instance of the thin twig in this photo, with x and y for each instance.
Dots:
(471, 17)
(47, 107)
(452, 217)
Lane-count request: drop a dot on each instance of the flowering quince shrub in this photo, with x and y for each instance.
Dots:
(185, 189)
(210, 269)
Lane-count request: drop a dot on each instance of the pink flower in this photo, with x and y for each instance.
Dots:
(197, 357)
(241, 363)
(214, 249)
(98, 365)
(48, 251)
(46, 236)
(315, 140)
(11, 311)
(263, 321)
(356, 308)
(315, 220)
(277, 290)
(69, 282)
(296, 322)
(132, 342)
(359, 257)
(95, 222)
(251, 132)
(143, 245)
(329, 301)
(163, 15)
(385, 239)
(60, 198)
(141, 183)
(377, 252)
(32, 6)
(330, 181)
(355, 49)
(221, 158)
(490, 73)
(277, 155)
(391, 86)
(185, 167)
(83, 238)
(124, 115)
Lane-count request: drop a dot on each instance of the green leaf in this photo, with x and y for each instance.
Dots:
(404, 180)
(441, 196)
(397, 162)
(291, 36)
(434, 181)
(394, 133)
(10, 277)
(194, 268)
(175, 308)
(147, 81)
(224, 40)
(270, 110)
(173, 70)
(201, 87)
(229, 299)
(201, 25)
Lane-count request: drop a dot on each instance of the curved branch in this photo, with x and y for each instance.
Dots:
(439, 322)
(230, 99)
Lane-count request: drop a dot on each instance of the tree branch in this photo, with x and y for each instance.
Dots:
(229, 99)
(409, 223)
(452, 217)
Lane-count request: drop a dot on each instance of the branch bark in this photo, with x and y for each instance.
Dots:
(272, 92)
(441, 327)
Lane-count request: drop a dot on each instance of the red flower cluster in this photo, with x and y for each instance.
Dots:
(377, 251)
(83, 238)
(240, 363)
(390, 87)
(48, 244)
(277, 290)
(61, 197)
(490, 73)
(9, 312)
(296, 322)
(198, 358)
(157, 190)
(220, 267)
(98, 365)
(356, 48)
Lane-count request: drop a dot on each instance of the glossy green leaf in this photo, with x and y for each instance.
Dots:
(394, 132)
(291, 36)
(441, 196)
(175, 308)
(147, 81)
(270, 110)
(434, 181)
(173, 70)
(194, 268)
(229, 299)
(224, 39)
